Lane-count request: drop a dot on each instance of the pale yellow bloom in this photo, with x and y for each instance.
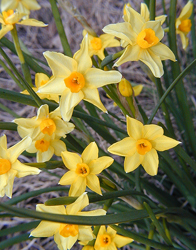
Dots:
(23, 6)
(98, 44)
(108, 239)
(84, 170)
(9, 18)
(45, 129)
(11, 167)
(142, 145)
(65, 235)
(74, 79)
(183, 23)
(40, 80)
(142, 41)
(45, 123)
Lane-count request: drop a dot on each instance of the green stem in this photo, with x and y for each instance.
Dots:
(193, 33)
(9, 111)
(150, 235)
(111, 58)
(60, 28)
(174, 83)
(24, 66)
(152, 9)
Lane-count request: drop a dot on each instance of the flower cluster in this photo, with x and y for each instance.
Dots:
(73, 80)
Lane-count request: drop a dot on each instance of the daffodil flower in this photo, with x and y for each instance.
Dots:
(183, 23)
(142, 145)
(74, 80)
(109, 239)
(9, 18)
(83, 170)
(142, 41)
(65, 235)
(45, 123)
(23, 6)
(11, 167)
(98, 44)
(40, 80)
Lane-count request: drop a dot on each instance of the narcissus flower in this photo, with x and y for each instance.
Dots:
(23, 6)
(65, 235)
(183, 23)
(142, 145)
(108, 239)
(40, 80)
(45, 123)
(142, 41)
(97, 45)
(11, 167)
(74, 79)
(9, 18)
(83, 170)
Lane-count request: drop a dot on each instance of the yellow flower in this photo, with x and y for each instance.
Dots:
(10, 166)
(74, 79)
(127, 90)
(83, 170)
(9, 18)
(108, 239)
(23, 6)
(40, 80)
(142, 41)
(65, 235)
(44, 123)
(183, 23)
(142, 145)
(98, 44)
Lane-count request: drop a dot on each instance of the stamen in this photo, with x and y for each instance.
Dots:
(75, 82)
(143, 146)
(105, 240)
(82, 169)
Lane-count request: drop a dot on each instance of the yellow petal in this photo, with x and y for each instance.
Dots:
(45, 229)
(92, 96)
(137, 89)
(92, 181)
(109, 41)
(78, 186)
(32, 22)
(152, 61)
(184, 40)
(98, 165)
(3, 141)
(65, 242)
(5, 29)
(96, 212)
(68, 178)
(68, 101)
(85, 234)
(40, 77)
(24, 170)
(164, 143)
(7, 189)
(71, 160)
(145, 12)
(163, 52)
(135, 19)
(51, 209)
(31, 4)
(132, 162)
(150, 162)
(60, 64)
(152, 131)
(78, 205)
(161, 18)
(131, 53)
(18, 148)
(134, 128)
(121, 241)
(156, 26)
(59, 147)
(82, 56)
(8, 4)
(90, 153)
(55, 85)
(123, 31)
(45, 156)
(125, 147)
(96, 78)
(186, 11)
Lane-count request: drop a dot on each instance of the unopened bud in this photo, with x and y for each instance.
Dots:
(125, 88)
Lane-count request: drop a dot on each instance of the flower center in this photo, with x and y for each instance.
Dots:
(43, 82)
(75, 82)
(143, 146)
(47, 126)
(42, 145)
(82, 169)
(67, 230)
(6, 14)
(5, 166)
(147, 38)
(185, 25)
(96, 43)
(105, 240)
